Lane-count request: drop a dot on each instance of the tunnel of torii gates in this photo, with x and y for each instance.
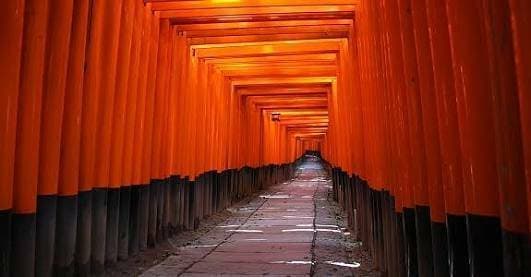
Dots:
(123, 122)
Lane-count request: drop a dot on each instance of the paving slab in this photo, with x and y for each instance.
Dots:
(258, 258)
(266, 247)
(250, 268)
(273, 238)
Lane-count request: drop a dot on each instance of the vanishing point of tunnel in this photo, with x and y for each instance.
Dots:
(265, 137)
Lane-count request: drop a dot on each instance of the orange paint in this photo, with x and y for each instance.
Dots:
(109, 59)
(471, 67)
(91, 95)
(505, 102)
(132, 96)
(416, 134)
(452, 176)
(429, 112)
(120, 99)
(29, 108)
(11, 27)
(140, 119)
(53, 101)
(150, 101)
(71, 129)
(162, 65)
(522, 40)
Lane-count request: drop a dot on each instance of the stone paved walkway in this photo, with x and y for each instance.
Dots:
(292, 229)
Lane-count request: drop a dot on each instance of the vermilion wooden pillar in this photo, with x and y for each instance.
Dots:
(521, 31)
(356, 110)
(449, 137)
(11, 27)
(404, 200)
(116, 179)
(162, 77)
(130, 116)
(475, 117)
(397, 156)
(157, 128)
(139, 196)
(67, 202)
(147, 151)
(416, 238)
(148, 130)
(509, 147)
(109, 56)
(28, 136)
(521, 41)
(55, 74)
(165, 139)
(431, 135)
(89, 130)
(383, 168)
(371, 43)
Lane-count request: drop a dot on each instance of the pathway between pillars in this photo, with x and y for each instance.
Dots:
(291, 229)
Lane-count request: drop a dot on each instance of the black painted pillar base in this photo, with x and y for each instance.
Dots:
(186, 207)
(387, 212)
(66, 230)
(457, 245)
(84, 234)
(152, 226)
(99, 230)
(113, 215)
(205, 197)
(213, 193)
(198, 199)
(134, 221)
(484, 245)
(439, 242)
(424, 250)
(180, 205)
(123, 223)
(160, 209)
(5, 242)
(176, 191)
(227, 186)
(165, 223)
(45, 236)
(376, 219)
(516, 253)
(174, 195)
(195, 201)
(143, 215)
(401, 246)
(410, 241)
(192, 206)
(23, 245)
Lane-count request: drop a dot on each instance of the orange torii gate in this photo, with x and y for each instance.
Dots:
(123, 122)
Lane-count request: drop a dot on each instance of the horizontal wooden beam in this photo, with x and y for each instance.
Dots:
(314, 57)
(212, 4)
(246, 11)
(272, 36)
(260, 17)
(282, 72)
(283, 81)
(284, 90)
(207, 27)
(323, 28)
